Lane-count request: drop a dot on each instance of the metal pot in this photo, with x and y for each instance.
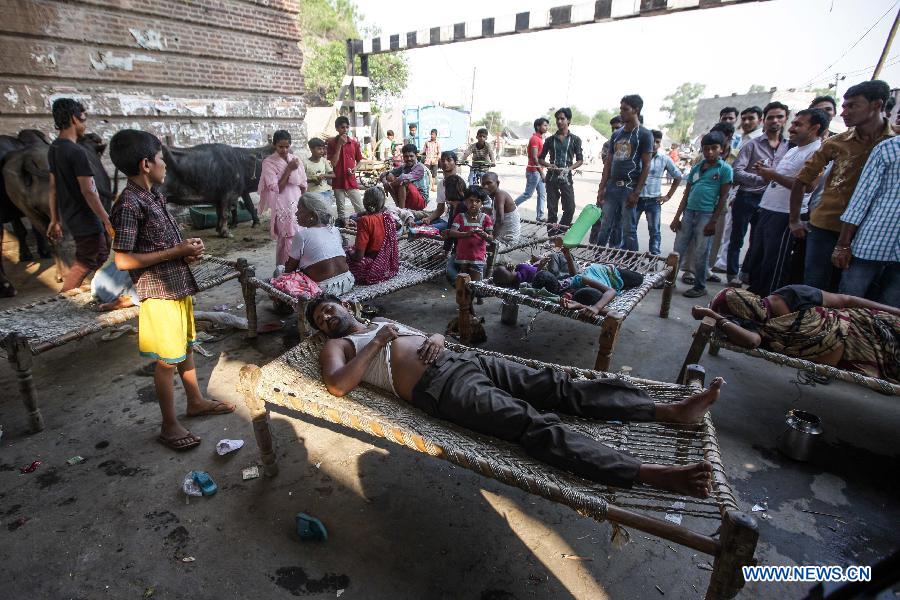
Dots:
(798, 440)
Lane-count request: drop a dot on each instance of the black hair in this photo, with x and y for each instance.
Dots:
(315, 143)
(455, 188)
(540, 121)
(480, 131)
(829, 99)
(491, 175)
(752, 109)
(64, 109)
(477, 192)
(373, 200)
(545, 280)
(564, 111)
(712, 138)
(449, 154)
(409, 148)
(817, 116)
(280, 135)
(634, 101)
(615, 120)
(413, 126)
(726, 129)
(889, 107)
(630, 279)
(728, 109)
(315, 303)
(128, 147)
(657, 134)
(434, 131)
(504, 278)
(773, 106)
(871, 91)
(390, 132)
(342, 120)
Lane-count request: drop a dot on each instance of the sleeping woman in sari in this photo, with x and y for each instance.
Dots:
(850, 333)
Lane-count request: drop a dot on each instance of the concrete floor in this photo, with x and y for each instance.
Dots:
(404, 525)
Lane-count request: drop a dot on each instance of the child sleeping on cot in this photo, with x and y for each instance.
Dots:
(588, 292)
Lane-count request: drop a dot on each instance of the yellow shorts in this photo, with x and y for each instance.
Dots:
(166, 329)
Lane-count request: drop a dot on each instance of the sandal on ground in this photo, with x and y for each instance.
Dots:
(219, 408)
(180, 444)
(688, 279)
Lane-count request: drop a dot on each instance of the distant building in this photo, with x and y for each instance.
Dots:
(708, 108)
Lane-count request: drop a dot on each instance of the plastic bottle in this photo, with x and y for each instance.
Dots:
(590, 214)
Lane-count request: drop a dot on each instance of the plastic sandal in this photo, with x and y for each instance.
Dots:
(205, 482)
(311, 529)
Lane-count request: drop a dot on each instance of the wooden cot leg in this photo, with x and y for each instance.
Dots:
(19, 355)
(695, 352)
(738, 538)
(464, 311)
(249, 291)
(249, 379)
(672, 265)
(509, 312)
(609, 333)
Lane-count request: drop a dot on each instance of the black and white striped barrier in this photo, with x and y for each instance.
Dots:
(558, 17)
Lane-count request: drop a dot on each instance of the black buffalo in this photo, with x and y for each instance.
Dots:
(26, 175)
(216, 174)
(9, 213)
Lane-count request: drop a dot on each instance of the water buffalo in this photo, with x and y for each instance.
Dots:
(26, 175)
(8, 211)
(216, 174)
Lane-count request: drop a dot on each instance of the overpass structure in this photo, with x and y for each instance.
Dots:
(354, 97)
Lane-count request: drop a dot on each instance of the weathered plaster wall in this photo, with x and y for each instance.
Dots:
(190, 72)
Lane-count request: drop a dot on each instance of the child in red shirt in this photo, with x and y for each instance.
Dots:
(472, 231)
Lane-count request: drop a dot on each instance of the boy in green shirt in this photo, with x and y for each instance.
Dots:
(319, 172)
(695, 220)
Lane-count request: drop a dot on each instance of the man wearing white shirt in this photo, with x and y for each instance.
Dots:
(772, 245)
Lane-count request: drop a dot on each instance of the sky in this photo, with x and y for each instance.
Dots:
(776, 43)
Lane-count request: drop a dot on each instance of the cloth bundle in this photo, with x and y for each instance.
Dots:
(297, 285)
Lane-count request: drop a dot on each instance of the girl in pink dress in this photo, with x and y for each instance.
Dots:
(281, 184)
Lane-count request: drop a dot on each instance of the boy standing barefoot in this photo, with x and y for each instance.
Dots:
(149, 245)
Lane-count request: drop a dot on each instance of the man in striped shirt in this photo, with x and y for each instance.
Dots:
(869, 243)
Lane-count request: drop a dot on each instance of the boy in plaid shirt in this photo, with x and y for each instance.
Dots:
(149, 246)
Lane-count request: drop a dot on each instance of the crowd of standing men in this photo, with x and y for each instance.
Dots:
(822, 209)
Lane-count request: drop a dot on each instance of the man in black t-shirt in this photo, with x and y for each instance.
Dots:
(625, 171)
(74, 201)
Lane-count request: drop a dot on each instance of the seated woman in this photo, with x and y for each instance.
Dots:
(841, 331)
(376, 256)
(317, 248)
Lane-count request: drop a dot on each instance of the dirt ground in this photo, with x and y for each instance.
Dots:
(400, 524)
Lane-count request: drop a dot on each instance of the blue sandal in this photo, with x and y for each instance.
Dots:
(311, 529)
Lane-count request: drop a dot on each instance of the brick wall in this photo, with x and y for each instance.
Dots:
(190, 72)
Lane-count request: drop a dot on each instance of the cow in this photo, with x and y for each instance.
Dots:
(26, 175)
(8, 211)
(216, 174)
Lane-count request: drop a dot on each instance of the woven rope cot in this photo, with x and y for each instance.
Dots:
(34, 328)
(654, 268)
(421, 259)
(533, 234)
(293, 381)
(707, 335)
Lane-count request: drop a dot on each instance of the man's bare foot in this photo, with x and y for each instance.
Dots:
(204, 407)
(690, 410)
(692, 480)
(120, 302)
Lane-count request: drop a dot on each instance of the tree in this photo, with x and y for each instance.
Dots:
(682, 108)
(822, 91)
(325, 25)
(492, 120)
(757, 89)
(600, 120)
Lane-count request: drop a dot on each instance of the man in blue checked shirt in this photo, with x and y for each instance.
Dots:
(651, 198)
(869, 244)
